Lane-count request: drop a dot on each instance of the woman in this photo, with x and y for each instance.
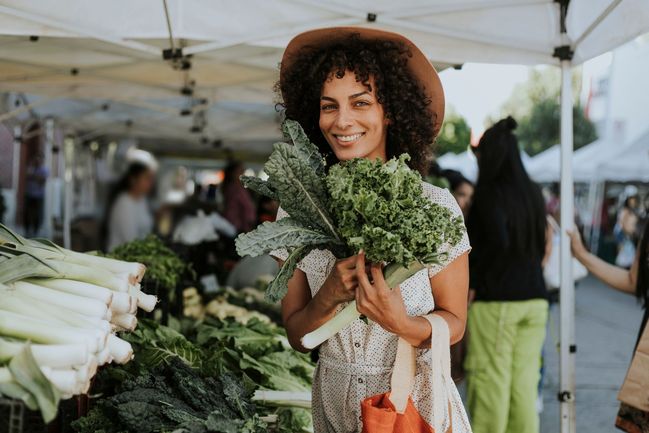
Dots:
(129, 216)
(634, 282)
(507, 320)
(625, 228)
(363, 93)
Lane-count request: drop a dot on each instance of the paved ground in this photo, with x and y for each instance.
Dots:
(607, 323)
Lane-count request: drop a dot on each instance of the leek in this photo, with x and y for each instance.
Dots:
(120, 351)
(24, 380)
(80, 304)
(28, 328)
(33, 307)
(122, 303)
(78, 288)
(51, 355)
(300, 399)
(125, 321)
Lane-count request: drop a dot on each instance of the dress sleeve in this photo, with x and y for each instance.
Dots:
(443, 197)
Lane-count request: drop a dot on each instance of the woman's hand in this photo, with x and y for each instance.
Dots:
(576, 244)
(340, 286)
(376, 300)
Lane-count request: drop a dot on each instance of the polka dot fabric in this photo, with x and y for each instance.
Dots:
(357, 362)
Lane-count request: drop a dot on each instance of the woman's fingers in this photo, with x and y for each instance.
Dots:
(349, 262)
(377, 276)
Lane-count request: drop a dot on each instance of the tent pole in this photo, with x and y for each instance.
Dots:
(567, 301)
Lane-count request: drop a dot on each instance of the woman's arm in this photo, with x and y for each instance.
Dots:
(386, 307)
(302, 314)
(549, 234)
(616, 277)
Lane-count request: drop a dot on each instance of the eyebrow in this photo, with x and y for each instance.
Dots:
(355, 95)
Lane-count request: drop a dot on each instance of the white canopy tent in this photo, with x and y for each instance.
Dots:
(629, 164)
(467, 164)
(545, 167)
(93, 51)
(464, 162)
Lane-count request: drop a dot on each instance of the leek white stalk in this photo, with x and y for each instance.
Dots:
(39, 331)
(64, 380)
(146, 302)
(121, 303)
(394, 275)
(78, 288)
(120, 350)
(125, 321)
(19, 303)
(132, 270)
(50, 355)
(5, 376)
(301, 399)
(80, 304)
(133, 309)
(103, 356)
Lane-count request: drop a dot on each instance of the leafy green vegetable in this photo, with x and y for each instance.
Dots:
(200, 384)
(289, 232)
(175, 397)
(163, 265)
(159, 344)
(380, 208)
(298, 187)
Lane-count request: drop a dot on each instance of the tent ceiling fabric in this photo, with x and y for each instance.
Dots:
(236, 46)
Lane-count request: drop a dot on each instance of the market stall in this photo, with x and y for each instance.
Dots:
(198, 76)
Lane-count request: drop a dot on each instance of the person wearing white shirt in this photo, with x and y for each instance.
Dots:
(129, 215)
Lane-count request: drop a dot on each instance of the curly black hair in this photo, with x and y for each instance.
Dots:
(404, 101)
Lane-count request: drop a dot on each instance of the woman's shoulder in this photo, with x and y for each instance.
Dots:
(440, 196)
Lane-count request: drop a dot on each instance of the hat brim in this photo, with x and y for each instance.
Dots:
(419, 65)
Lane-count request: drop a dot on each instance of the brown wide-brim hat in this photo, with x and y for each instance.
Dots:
(418, 63)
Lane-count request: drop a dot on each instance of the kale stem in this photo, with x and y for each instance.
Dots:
(396, 274)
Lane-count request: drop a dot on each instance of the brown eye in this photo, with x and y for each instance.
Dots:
(328, 107)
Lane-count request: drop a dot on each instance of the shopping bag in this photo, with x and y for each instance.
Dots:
(635, 389)
(551, 271)
(394, 411)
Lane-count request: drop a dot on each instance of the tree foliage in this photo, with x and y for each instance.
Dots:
(454, 136)
(536, 107)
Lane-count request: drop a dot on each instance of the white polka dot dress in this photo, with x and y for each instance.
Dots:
(357, 362)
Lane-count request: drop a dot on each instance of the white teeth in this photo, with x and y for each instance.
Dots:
(349, 137)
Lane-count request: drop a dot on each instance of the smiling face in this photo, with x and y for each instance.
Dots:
(351, 119)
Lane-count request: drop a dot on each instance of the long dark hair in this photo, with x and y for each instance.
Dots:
(504, 183)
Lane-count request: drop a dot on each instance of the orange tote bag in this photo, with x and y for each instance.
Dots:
(394, 411)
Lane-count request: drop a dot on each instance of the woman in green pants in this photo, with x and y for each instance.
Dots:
(507, 319)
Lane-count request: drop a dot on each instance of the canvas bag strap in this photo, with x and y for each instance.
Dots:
(403, 373)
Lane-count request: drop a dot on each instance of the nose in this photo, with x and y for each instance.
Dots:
(344, 118)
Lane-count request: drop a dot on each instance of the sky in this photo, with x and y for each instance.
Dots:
(479, 90)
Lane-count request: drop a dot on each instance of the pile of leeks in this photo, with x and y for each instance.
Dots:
(59, 312)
